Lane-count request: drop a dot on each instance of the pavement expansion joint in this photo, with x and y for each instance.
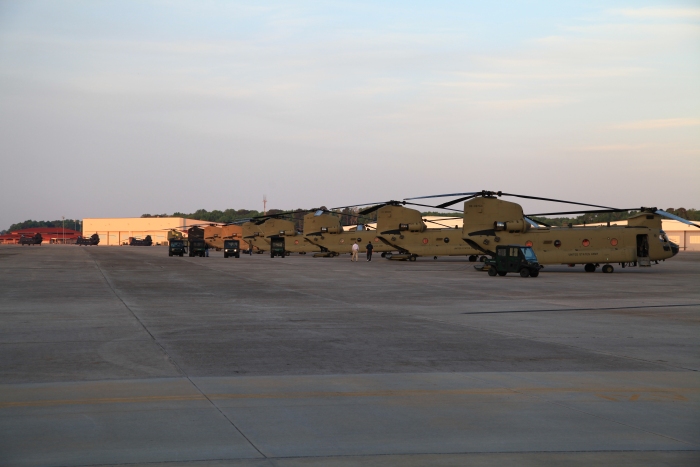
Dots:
(180, 369)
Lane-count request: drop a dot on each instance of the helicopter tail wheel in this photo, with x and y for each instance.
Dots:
(492, 272)
(608, 269)
(590, 267)
(524, 273)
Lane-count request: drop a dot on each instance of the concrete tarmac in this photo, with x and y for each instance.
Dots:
(125, 356)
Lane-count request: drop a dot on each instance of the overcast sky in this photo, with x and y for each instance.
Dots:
(122, 108)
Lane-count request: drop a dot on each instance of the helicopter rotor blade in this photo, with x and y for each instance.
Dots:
(535, 224)
(553, 200)
(594, 211)
(435, 222)
(371, 209)
(466, 196)
(447, 195)
(358, 205)
(428, 206)
(455, 201)
(675, 218)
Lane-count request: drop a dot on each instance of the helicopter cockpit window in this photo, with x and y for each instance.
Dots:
(663, 237)
(529, 254)
(318, 213)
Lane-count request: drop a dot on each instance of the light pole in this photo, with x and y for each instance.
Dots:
(64, 229)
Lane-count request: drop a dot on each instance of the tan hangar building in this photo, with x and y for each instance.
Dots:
(115, 231)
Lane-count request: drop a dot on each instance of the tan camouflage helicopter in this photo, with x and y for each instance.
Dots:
(406, 231)
(254, 235)
(489, 221)
(282, 233)
(324, 229)
(216, 234)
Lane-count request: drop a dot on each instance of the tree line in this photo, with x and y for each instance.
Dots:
(75, 224)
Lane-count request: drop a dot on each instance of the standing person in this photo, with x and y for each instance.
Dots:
(250, 249)
(355, 251)
(369, 248)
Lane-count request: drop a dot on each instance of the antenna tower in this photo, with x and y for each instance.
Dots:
(264, 205)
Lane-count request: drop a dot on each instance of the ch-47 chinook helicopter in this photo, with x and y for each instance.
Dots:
(254, 235)
(324, 229)
(33, 240)
(405, 230)
(489, 221)
(398, 229)
(93, 239)
(282, 235)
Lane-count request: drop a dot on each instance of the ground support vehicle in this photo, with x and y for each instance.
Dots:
(176, 248)
(514, 258)
(232, 248)
(277, 247)
(197, 247)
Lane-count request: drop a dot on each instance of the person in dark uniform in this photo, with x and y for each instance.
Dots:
(369, 248)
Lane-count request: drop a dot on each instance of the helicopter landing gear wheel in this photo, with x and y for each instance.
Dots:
(608, 269)
(412, 258)
(472, 258)
(524, 273)
(492, 272)
(590, 267)
(384, 255)
(434, 257)
(482, 259)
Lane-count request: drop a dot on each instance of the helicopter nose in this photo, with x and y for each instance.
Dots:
(674, 248)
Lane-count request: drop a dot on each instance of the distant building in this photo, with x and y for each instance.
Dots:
(117, 230)
(48, 234)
